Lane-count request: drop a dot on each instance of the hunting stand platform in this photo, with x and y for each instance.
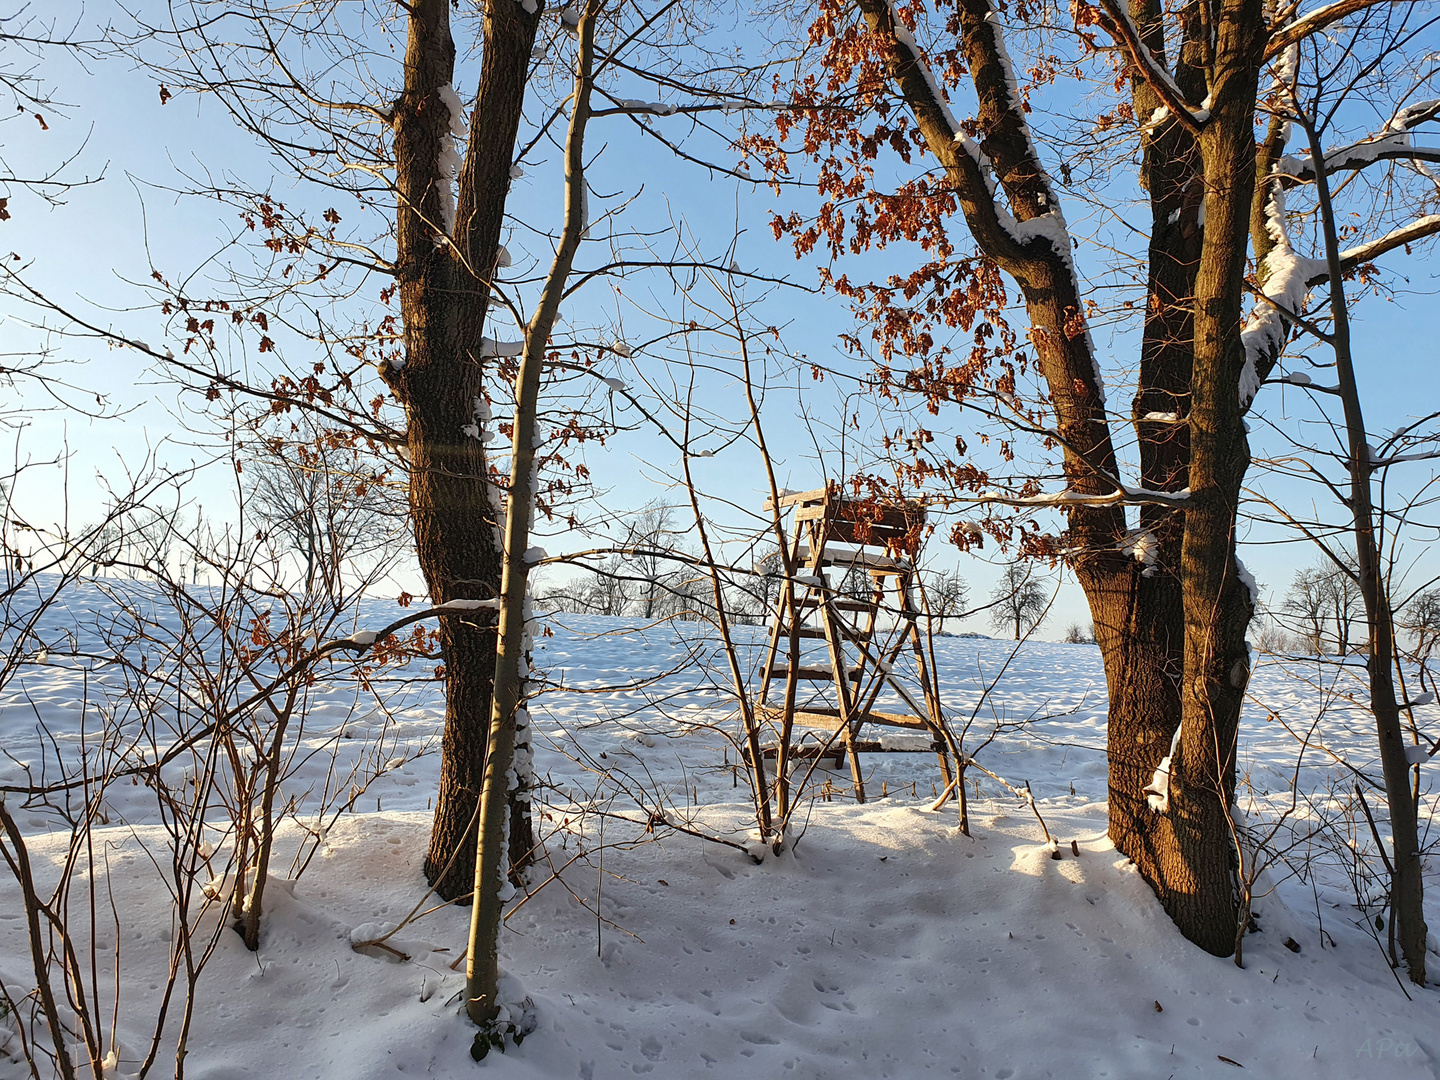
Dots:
(848, 563)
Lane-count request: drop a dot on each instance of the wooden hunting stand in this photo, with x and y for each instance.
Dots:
(843, 537)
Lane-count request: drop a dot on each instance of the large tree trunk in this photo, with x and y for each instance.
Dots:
(1218, 605)
(1172, 633)
(1138, 624)
(1144, 615)
(444, 296)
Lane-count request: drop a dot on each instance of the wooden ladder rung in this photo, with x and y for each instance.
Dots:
(801, 752)
(828, 719)
(798, 498)
(856, 557)
(812, 632)
(814, 674)
(836, 750)
(816, 633)
(841, 604)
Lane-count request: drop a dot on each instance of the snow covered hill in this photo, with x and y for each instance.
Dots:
(884, 944)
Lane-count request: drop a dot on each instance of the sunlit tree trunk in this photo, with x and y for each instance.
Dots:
(1173, 639)
(444, 284)
(482, 969)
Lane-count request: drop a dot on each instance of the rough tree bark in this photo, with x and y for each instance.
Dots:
(1171, 632)
(1142, 616)
(444, 287)
(1217, 603)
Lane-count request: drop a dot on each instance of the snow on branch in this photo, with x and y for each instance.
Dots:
(1360, 155)
(1157, 792)
(942, 104)
(1312, 22)
(1416, 230)
(1123, 496)
(1378, 462)
(1392, 143)
(364, 639)
(493, 604)
(490, 348)
(1036, 230)
(1413, 115)
(1299, 378)
(905, 37)
(1142, 546)
(641, 107)
(1120, 26)
(654, 108)
(969, 167)
(1287, 278)
(448, 164)
(1049, 226)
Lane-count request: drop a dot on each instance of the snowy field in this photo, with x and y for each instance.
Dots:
(884, 944)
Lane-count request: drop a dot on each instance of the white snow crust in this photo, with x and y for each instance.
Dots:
(449, 162)
(490, 348)
(1248, 580)
(1286, 280)
(883, 942)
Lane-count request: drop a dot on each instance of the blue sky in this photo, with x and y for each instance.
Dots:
(92, 250)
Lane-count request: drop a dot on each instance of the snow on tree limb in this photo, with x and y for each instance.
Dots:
(1392, 143)
(1416, 230)
(932, 111)
(1124, 496)
(1120, 26)
(907, 39)
(448, 162)
(1286, 276)
(1032, 228)
(1312, 23)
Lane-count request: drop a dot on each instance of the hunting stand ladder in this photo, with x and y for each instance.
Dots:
(835, 538)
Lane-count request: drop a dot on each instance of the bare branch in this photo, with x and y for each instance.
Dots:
(1312, 23)
(1121, 27)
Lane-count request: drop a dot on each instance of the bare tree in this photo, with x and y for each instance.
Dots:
(138, 538)
(329, 502)
(602, 588)
(28, 37)
(1305, 605)
(946, 594)
(609, 41)
(509, 722)
(750, 597)
(1018, 601)
(656, 581)
(1421, 616)
(1323, 601)
(1311, 93)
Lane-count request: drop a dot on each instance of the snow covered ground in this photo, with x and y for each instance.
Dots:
(884, 944)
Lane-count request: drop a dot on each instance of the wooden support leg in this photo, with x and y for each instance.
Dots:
(855, 774)
(945, 773)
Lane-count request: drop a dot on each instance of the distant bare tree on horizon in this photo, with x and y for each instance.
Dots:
(1019, 600)
(314, 491)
